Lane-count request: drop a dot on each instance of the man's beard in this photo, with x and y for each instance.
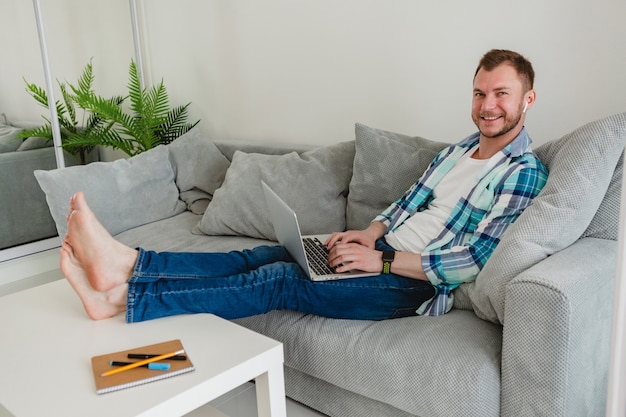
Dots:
(508, 126)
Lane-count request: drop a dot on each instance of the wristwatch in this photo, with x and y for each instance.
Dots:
(388, 257)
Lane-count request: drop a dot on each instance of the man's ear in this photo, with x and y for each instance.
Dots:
(529, 99)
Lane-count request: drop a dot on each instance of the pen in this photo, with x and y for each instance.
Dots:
(143, 362)
(149, 355)
(156, 366)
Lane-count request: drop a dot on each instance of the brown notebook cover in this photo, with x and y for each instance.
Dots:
(137, 376)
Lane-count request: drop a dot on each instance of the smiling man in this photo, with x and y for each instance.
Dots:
(503, 92)
(439, 234)
(446, 226)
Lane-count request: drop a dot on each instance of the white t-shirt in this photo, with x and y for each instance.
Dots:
(417, 231)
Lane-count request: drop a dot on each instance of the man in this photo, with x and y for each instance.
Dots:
(438, 235)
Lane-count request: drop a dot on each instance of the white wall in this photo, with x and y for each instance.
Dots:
(76, 31)
(305, 71)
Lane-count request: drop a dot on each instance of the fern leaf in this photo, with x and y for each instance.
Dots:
(42, 131)
(175, 124)
(69, 106)
(85, 81)
(135, 92)
(38, 93)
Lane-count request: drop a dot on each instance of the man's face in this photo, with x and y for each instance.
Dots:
(498, 103)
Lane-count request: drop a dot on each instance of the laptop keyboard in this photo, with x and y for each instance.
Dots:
(317, 255)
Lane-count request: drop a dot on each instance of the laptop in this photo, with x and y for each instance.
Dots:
(308, 251)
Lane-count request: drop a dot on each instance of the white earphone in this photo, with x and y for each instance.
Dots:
(525, 107)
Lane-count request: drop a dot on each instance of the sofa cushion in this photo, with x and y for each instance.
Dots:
(386, 164)
(415, 364)
(199, 168)
(582, 166)
(8, 138)
(180, 239)
(314, 183)
(124, 194)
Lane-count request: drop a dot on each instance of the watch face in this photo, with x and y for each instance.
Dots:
(388, 255)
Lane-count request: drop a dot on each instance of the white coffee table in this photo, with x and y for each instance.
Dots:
(47, 341)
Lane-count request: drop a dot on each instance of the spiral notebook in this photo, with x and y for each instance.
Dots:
(141, 375)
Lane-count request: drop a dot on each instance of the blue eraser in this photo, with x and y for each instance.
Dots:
(159, 366)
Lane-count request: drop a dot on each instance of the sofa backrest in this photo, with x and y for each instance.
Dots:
(229, 147)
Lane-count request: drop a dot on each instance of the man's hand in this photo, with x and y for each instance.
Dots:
(354, 249)
(366, 237)
(348, 256)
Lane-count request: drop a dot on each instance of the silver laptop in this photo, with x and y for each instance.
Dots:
(308, 251)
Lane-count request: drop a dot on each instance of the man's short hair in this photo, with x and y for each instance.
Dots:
(497, 57)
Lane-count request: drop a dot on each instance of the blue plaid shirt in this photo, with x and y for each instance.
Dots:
(505, 187)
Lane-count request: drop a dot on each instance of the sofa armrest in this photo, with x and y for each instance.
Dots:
(557, 332)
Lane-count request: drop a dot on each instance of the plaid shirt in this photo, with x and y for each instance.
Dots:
(506, 186)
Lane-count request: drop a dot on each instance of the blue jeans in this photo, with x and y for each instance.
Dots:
(245, 283)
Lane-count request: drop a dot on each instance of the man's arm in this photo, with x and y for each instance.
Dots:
(452, 266)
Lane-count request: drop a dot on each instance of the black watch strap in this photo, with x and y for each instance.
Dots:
(388, 257)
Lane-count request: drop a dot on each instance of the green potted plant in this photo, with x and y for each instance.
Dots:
(105, 122)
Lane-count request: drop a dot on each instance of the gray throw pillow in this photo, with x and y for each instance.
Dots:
(314, 184)
(123, 194)
(35, 142)
(581, 166)
(199, 168)
(386, 164)
(8, 138)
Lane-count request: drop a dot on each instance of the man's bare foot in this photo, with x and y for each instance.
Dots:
(98, 305)
(107, 262)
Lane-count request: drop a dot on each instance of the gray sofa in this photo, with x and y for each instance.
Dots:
(25, 215)
(529, 338)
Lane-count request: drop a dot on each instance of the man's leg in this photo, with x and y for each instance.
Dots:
(160, 288)
(157, 289)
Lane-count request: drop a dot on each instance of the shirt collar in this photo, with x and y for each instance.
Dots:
(516, 148)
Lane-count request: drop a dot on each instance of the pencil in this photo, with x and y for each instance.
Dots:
(143, 362)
